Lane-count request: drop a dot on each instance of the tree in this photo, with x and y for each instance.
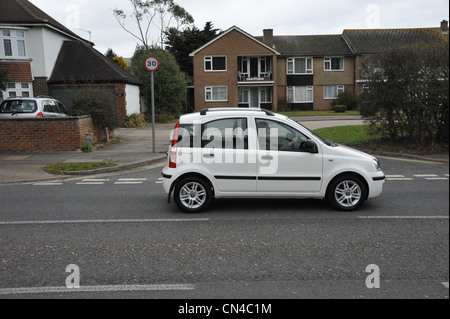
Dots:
(408, 92)
(182, 43)
(159, 14)
(170, 83)
(120, 61)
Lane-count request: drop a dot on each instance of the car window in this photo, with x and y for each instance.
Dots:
(273, 135)
(225, 133)
(61, 108)
(18, 106)
(51, 107)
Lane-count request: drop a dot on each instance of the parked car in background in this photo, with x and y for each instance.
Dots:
(17, 107)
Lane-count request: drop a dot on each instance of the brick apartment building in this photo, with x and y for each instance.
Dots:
(291, 72)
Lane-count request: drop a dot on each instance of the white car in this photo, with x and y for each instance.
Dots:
(254, 153)
(29, 107)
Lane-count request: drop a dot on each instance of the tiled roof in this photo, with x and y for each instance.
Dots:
(79, 62)
(24, 13)
(371, 41)
(311, 45)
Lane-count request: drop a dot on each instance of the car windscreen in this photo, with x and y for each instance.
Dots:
(18, 106)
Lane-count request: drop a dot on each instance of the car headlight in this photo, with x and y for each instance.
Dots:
(377, 164)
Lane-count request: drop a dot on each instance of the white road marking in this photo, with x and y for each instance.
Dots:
(104, 221)
(128, 183)
(91, 183)
(425, 175)
(403, 217)
(132, 179)
(39, 290)
(47, 184)
(445, 284)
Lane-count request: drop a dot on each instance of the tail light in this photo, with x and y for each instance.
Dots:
(40, 114)
(174, 147)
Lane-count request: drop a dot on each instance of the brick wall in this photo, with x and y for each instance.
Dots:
(18, 71)
(45, 135)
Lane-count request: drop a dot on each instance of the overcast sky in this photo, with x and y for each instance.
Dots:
(283, 16)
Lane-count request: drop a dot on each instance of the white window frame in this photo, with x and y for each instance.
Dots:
(209, 93)
(290, 65)
(291, 93)
(18, 89)
(265, 94)
(15, 37)
(339, 89)
(210, 59)
(327, 64)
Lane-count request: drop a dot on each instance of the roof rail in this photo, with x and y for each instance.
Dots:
(236, 109)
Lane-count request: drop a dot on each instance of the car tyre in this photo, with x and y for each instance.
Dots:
(347, 193)
(193, 195)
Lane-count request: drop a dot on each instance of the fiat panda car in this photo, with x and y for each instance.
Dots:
(18, 107)
(254, 153)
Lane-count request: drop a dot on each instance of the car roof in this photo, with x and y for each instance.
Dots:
(228, 112)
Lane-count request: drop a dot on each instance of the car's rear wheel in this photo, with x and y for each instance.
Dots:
(347, 193)
(193, 194)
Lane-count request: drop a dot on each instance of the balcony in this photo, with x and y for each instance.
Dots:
(255, 70)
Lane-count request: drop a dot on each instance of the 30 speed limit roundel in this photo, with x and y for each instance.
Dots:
(151, 63)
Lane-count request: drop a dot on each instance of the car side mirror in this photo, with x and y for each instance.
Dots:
(310, 146)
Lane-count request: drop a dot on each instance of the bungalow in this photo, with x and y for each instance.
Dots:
(43, 57)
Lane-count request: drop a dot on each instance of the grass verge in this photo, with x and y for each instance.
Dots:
(60, 168)
(358, 137)
(318, 113)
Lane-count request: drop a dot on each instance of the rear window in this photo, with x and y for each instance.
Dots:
(18, 106)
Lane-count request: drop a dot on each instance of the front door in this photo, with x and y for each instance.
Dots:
(282, 166)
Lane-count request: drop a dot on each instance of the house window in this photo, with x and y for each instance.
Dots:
(265, 95)
(215, 63)
(18, 89)
(243, 95)
(216, 94)
(331, 92)
(334, 64)
(13, 44)
(300, 94)
(300, 66)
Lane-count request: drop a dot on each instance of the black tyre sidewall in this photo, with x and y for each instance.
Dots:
(185, 181)
(331, 192)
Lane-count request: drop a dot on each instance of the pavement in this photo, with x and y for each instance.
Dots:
(132, 148)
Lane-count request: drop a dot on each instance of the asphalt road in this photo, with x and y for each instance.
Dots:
(127, 242)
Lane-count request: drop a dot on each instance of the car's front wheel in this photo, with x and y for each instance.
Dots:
(193, 194)
(347, 193)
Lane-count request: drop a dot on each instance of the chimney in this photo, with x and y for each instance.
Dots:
(444, 26)
(268, 37)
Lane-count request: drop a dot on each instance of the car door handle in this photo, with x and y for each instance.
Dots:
(208, 155)
(268, 158)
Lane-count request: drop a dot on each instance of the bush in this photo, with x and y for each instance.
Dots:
(340, 108)
(96, 104)
(136, 120)
(349, 99)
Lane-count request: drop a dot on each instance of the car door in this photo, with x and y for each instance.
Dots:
(227, 156)
(284, 165)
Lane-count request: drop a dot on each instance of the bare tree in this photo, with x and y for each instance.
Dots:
(152, 18)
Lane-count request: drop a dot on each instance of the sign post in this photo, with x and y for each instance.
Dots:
(152, 64)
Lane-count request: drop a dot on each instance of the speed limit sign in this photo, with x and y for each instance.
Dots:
(151, 63)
